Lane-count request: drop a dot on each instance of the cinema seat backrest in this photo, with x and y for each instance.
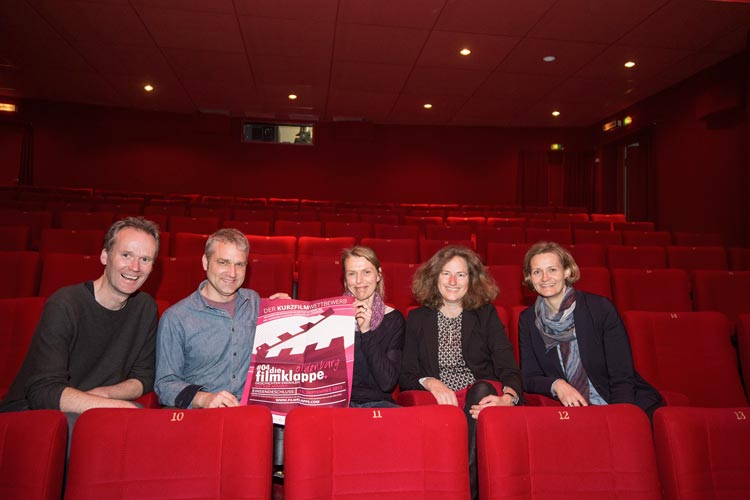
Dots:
(32, 454)
(580, 453)
(221, 453)
(703, 452)
(418, 452)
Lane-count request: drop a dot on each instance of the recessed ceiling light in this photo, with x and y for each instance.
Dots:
(630, 64)
(148, 87)
(7, 107)
(292, 97)
(555, 113)
(464, 52)
(428, 106)
(549, 58)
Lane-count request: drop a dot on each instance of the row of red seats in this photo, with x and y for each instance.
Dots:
(403, 244)
(312, 276)
(371, 454)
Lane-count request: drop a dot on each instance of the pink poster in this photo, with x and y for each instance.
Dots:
(303, 355)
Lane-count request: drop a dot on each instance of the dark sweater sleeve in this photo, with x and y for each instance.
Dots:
(382, 348)
(411, 370)
(535, 378)
(144, 367)
(47, 360)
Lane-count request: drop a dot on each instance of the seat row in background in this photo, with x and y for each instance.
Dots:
(371, 454)
(494, 246)
(478, 229)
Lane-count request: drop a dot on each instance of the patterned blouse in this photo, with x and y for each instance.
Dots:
(453, 370)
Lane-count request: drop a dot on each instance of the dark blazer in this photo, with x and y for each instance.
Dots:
(605, 353)
(485, 347)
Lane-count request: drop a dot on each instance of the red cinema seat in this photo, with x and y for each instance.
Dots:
(509, 281)
(703, 452)
(572, 217)
(357, 230)
(506, 221)
(608, 217)
(647, 238)
(86, 220)
(63, 269)
(309, 246)
(398, 277)
(633, 226)
(686, 238)
(651, 290)
(15, 238)
(546, 221)
(258, 214)
(378, 218)
(174, 278)
(508, 254)
(418, 452)
(394, 250)
(19, 319)
(723, 291)
(689, 258)
(593, 226)
(743, 347)
(421, 221)
(197, 225)
(218, 453)
(563, 236)
(636, 257)
(441, 232)
(589, 254)
(595, 280)
(298, 228)
(165, 208)
(499, 234)
(189, 245)
(23, 270)
(474, 222)
(594, 236)
(326, 217)
(582, 453)
(739, 258)
(428, 248)
(272, 245)
(256, 227)
(32, 454)
(306, 214)
(688, 353)
(219, 211)
(83, 241)
(268, 274)
(396, 231)
(36, 221)
(319, 277)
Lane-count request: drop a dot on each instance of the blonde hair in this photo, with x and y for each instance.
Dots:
(369, 255)
(566, 261)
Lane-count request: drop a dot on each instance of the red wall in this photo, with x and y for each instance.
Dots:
(701, 162)
(146, 151)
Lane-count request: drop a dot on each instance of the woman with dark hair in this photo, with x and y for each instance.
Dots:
(379, 336)
(456, 347)
(573, 344)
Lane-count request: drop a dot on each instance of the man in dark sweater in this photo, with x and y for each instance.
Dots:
(95, 342)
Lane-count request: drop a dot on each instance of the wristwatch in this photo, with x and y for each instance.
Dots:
(513, 398)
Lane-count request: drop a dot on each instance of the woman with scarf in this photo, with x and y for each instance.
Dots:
(573, 344)
(379, 336)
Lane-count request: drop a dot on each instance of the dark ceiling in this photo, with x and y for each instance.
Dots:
(371, 60)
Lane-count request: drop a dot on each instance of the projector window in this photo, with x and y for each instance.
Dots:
(278, 133)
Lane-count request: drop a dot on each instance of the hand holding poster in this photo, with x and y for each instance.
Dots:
(303, 355)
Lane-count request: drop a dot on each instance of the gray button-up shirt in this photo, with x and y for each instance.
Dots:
(201, 345)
